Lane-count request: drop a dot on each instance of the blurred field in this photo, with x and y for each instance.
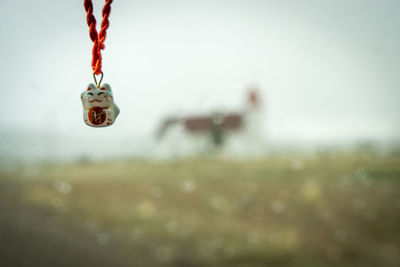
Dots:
(326, 210)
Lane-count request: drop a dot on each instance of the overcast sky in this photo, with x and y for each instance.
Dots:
(327, 70)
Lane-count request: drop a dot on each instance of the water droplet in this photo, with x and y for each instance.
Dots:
(229, 251)
(252, 238)
(146, 208)
(297, 165)
(189, 186)
(278, 207)
(371, 215)
(334, 253)
(172, 226)
(310, 191)
(164, 253)
(216, 243)
(156, 192)
(63, 187)
(341, 235)
(275, 238)
(103, 238)
(359, 204)
(136, 233)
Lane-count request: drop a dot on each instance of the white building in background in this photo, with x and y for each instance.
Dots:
(237, 133)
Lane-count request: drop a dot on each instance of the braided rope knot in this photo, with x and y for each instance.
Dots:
(97, 38)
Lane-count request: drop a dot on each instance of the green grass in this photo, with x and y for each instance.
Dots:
(283, 211)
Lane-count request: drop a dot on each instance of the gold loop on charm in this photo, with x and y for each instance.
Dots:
(95, 80)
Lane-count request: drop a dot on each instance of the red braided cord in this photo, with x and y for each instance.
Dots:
(98, 39)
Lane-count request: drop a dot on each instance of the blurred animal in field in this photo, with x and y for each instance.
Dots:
(236, 132)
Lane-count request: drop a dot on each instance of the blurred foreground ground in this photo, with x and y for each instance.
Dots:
(327, 210)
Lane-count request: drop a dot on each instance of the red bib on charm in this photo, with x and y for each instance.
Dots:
(97, 115)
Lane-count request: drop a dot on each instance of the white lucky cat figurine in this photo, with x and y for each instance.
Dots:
(99, 109)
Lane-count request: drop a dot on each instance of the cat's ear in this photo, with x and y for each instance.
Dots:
(91, 86)
(105, 87)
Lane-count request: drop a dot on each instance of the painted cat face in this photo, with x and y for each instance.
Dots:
(97, 97)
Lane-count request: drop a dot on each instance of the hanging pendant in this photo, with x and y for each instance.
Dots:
(99, 109)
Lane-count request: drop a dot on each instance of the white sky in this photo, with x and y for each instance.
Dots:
(328, 70)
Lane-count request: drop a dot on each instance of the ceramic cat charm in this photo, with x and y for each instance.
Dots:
(99, 109)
